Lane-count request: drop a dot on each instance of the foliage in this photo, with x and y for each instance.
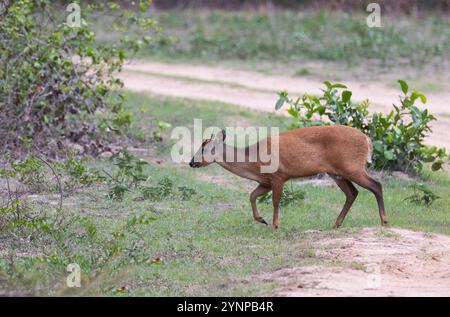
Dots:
(186, 193)
(54, 75)
(76, 173)
(162, 126)
(290, 195)
(128, 175)
(397, 138)
(30, 172)
(62, 237)
(295, 36)
(198, 245)
(423, 195)
(164, 189)
(33, 172)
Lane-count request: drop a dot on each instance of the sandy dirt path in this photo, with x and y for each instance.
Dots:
(258, 91)
(372, 262)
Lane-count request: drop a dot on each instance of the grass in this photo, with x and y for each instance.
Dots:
(289, 35)
(323, 44)
(206, 245)
(182, 112)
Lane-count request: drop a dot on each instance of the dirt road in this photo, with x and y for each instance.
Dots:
(372, 262)
(258, 91)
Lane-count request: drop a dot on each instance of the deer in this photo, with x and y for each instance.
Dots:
(339, 151)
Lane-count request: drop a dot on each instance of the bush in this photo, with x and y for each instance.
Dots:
(398, 137)
(290, 195)
(128, 175)
(76, 174)
(54, 77)
(30, 172)
(422, 195)
(165, 189)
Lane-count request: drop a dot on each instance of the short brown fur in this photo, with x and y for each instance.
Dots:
(339, 151)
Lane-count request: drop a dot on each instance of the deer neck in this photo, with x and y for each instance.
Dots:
(236, 160)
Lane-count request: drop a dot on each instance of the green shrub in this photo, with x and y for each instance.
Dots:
(186, 193)
(290, 195)
(75, 173)
(30, 172)
(422, 195)
(129, 173)
(164, 189)
(398, 137)
(54, 76)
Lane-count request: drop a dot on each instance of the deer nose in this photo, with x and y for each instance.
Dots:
(191, 164)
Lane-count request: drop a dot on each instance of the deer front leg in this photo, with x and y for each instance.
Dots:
(277, 191)
(259, 191)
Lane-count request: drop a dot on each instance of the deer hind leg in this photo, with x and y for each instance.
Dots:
(350, 192)
(277, 191)
(259, 191)
(364, 180)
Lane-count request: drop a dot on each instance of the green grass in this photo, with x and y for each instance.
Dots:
(182, 112)
(311, 35)
(209, 244)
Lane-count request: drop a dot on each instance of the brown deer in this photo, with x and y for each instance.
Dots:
(339, 151)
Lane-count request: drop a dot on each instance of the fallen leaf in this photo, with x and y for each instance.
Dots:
(122, 289)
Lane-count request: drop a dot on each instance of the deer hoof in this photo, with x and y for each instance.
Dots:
(261, 220)
(274, 227)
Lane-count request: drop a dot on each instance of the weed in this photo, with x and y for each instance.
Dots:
(30, 172)
(290, 195)
(186, 193)
(162, 126)
(76, 173)
(423, 195)
(162, 190)
(128, 175)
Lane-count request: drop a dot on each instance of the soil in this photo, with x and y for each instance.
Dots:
(258, 91)
(372, 262)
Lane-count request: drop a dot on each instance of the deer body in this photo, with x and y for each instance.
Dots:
(339, 151)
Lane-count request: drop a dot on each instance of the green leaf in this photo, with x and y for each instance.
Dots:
(414, 95)
(436, 166)
(292, 112)
(423, 98)
(403, 85)
(389, 155)
(389, 138)
(321, 109)
(143, 5)
(338, 86)
(164, 125)
(346, 95)
(281, 100)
